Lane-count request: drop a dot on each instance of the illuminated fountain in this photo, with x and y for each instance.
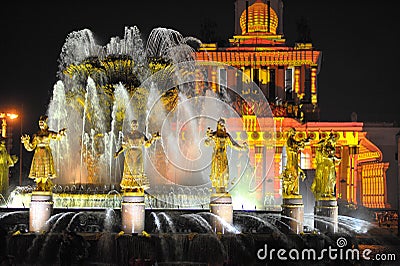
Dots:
(102, 89)
(159, 84)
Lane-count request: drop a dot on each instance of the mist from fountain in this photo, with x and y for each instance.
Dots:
(188, 166)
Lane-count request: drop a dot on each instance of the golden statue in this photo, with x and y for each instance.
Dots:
(324, 182)
(42, 166)
(292, 171)
(134, 178)
(6, 161)
(219, 168)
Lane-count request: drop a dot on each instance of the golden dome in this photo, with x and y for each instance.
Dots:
(258, 19)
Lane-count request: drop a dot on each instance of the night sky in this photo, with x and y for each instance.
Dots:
(357, 38)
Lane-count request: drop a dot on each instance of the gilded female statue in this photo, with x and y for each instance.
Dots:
(219, 167)
(6, 161)
(292, 170)
(324, 182)
(42, 166)
(133, 177)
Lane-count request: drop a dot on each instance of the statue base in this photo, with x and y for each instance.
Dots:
(40, 210)
(293, 214)
(221, 206)
(133, 212)
(326, 212)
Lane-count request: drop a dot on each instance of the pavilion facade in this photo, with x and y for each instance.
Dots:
(287, 76)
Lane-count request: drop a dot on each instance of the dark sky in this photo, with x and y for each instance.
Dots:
(357, 38)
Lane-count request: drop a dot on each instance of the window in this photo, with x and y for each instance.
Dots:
(289, 84)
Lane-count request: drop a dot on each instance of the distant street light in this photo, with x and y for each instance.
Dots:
(3, 117)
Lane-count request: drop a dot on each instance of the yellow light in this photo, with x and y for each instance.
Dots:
(297, 80)
(313, 80)
(9, 115)
(3, 117)
(314, 86)
(12, 116)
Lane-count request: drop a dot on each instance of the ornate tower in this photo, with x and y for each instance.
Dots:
(258, 12)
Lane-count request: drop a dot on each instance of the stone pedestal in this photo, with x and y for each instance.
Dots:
(40, 210)
(293, 214)
(133, 212)
(221, 205)
(326, 215)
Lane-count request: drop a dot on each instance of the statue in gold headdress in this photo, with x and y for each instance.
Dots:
(42, 166)
(134, 178)
(6, 161)
(292, 171)
(219, 168)
(324, 182)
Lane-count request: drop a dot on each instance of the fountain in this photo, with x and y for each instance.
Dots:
(135, 175)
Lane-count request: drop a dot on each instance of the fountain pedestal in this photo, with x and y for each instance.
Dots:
(326, 210)
(40, 210)
(133, 212)
(221, 205)
(293, 213)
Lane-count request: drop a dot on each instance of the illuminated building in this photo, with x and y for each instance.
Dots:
(286, 75)
(288, 78)
(383, 135)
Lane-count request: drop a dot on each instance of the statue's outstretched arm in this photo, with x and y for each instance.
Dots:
(26, 140)
(208, 141)
(58, 135)
(153, 138)
(121, 150)
(61, 133)
(236, 145)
